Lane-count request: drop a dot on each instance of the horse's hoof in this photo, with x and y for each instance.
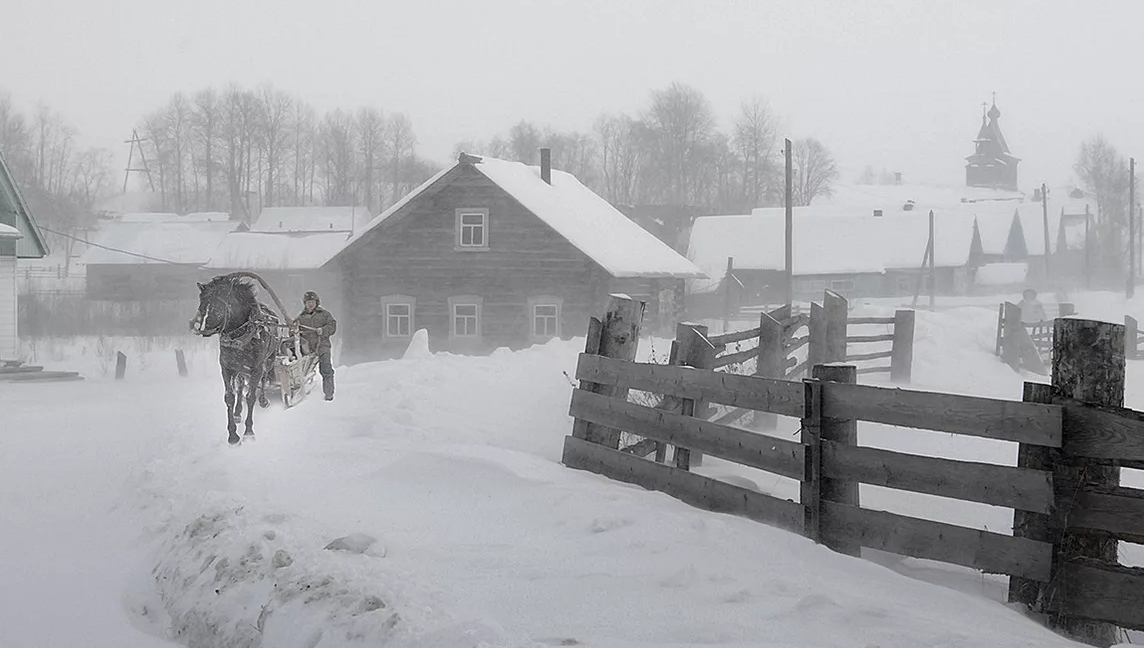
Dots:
(234, 440)
(263, 403)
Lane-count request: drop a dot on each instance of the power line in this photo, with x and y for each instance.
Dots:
(108, 247)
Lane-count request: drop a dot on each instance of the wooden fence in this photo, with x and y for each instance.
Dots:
(1069, 510)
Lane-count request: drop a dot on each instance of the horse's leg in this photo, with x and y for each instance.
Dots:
(231, 427)
(264, 383)
(251, 395)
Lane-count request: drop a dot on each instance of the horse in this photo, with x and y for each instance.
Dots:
(248, 342)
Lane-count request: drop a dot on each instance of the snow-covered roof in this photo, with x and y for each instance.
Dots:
(163, 241)
(828, 245)
(995, 227)
(1032, 218)
(171, 217)
(587, 221)
(310, 219)
(9, 232)
(276, 250)
(892, 197)
(1001, 274)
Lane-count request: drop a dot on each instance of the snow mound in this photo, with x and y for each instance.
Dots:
(419, 346)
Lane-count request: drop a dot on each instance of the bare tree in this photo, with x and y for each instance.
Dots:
(815, 171)
(525, 141)
(621, 156)
(1103, 172)
(371, 129)
(401, 142)
(275, 109)
(206, 120)
(755, 138)
(338, 150)
(682, 124)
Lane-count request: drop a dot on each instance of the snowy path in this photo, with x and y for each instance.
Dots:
(66, 546)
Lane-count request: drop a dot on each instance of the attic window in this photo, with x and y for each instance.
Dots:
(472, 229)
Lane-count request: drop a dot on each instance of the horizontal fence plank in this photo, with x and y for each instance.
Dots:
(1098, 432)
(734, 336)
(854, 357)
(990, 418)
(858, 339)
(870, 370)
(870, 320)
(749, 392)
(696, 490)
(1116, 512)
(1018, 488)
(1102, 592)
(778, 456)
(736, 358)
(798, 368)
(990, 552)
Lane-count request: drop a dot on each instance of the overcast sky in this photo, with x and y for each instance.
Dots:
(894, 84)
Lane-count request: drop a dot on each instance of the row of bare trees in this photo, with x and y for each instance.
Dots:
(60, 180)
(1103, 173)
(240, 149)
(674, 153)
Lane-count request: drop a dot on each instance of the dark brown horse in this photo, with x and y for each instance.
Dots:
(247, 330)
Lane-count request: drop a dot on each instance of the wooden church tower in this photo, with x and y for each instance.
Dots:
(991, 164)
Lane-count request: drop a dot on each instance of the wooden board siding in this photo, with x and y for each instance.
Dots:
(8, 344)
(416, 256)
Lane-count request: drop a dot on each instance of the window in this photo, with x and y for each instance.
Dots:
(842, 284)
(465, 317)
(398, 312)
(472, 229)
(398, 318)
(544, 314)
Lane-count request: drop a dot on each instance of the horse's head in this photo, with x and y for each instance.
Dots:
(211, 316)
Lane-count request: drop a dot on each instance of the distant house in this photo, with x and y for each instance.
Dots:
(489, 253)
(19, 239)
(151, 259)
(287, 246)
(857, 256)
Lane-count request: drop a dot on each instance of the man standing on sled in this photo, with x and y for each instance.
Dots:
(316, 325)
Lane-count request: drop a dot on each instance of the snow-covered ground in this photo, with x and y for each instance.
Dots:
(127, 521)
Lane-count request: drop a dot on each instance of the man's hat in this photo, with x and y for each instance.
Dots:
(310, 294)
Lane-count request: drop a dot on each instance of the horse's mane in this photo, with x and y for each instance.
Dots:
(243, 287)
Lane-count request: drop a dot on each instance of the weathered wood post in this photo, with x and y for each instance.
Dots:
(181, 362)
(1065, 309)
(728, 295)
(120, 365)
(810, 435)
(836, 310)
(770, 362)
(1131, 338)
(695, 350)
(816, 345)
(616, 336)
(1000, 328)
(838, 432)
(1088, 368)
(902, 358)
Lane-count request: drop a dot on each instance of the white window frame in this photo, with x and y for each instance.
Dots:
(466, 300)
(834, 284)
(398, 300)
(459, 215)
(544, 300)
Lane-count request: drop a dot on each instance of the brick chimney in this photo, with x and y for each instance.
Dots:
(546, 165)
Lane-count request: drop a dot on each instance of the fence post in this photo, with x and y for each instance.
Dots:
(816, 345)
(181, 362)
(810, 435)
(835, 307)
(695, 350)
(902, 360)
(120, 365)
(1027, 524)
(1131, 338)
(616, 336)
(1088, 368)
(770, 362)
(1000, 328)
(841, 432)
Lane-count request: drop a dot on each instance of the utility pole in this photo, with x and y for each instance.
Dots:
(1087, 248)
(135, 142)
(1045, 222)
(789, 226)
(1131, 291)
